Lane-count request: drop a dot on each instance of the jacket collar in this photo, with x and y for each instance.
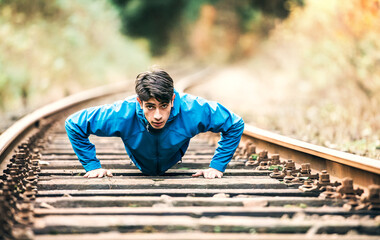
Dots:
(173, 113)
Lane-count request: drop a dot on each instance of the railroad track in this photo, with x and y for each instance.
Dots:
(263, 195)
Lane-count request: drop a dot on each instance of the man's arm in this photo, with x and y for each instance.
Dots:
(100, 121)
(217, 118)
(228, 143)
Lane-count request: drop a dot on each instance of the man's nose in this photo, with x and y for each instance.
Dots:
(157, 114)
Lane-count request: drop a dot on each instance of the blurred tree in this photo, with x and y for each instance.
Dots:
(25, 10)
(161, 22)
(276, 8)
(49, 49)
(153, 20)
(326, 56)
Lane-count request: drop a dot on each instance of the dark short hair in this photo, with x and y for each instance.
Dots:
(154, 84)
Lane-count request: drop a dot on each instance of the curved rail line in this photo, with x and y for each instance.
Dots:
(253, 152)
(365, 171)
(12, 136)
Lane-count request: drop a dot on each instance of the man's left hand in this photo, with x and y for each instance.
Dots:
(209, 173)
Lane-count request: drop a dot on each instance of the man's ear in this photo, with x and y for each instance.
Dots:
(173, 98)
(139, 100)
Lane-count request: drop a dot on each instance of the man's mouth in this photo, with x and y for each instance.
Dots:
(157, 124)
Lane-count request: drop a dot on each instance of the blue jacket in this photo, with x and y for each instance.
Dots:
(154, 152)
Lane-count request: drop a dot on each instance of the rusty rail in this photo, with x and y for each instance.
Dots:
(365, 171)
(13, 135)
(10, 138)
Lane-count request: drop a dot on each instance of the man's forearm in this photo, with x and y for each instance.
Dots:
(83, 148)
(227, 146)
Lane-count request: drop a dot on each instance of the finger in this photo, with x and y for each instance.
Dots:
(86, 175)
(101, 174)
(109, 173)
(197, 174)
(93, 175)
(220, 175)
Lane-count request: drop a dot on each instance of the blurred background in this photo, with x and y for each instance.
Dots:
(307, 69)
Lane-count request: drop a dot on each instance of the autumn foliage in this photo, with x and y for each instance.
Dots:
(326, 55)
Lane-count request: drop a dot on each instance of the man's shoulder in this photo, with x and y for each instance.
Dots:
(129, 102)
(118, 108)
(131, 99)
(189, 100)
(190, 103)
(127, 105)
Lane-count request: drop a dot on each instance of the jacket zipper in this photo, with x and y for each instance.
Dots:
(157, 155)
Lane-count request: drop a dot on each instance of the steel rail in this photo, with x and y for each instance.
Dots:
(363, 170)
(367, 164)
(22, 126)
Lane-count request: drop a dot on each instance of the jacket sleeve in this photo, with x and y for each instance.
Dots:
(100, 121)
(217, 118)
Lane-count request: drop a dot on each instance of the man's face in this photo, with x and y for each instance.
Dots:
(157, 113)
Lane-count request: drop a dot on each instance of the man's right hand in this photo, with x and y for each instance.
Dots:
(98, 173)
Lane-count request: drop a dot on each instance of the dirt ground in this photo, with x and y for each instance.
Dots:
(286, 107)
(256, 100)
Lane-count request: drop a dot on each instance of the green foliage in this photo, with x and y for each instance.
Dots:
(248, 17)
(272, 167)
(192, 8)
(278, 8)
(49, 49)
(13, 83)
(158, 179)
(325, 83)
(257, 15)
(217, 229)
(300, 205)
(153, 20)
(133, 205)
(158, 21)
(27, 10)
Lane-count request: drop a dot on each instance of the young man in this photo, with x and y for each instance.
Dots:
(156, 127)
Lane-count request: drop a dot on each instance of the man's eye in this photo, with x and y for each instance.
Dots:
(149, 107)
(165, 106)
